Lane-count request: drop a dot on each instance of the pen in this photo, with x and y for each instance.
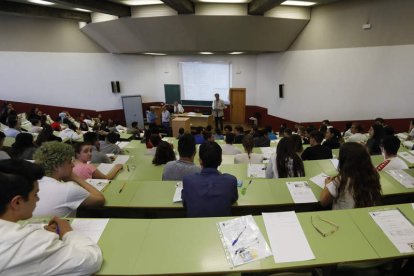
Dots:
(127, 167)
(122, 188)
(237, 239)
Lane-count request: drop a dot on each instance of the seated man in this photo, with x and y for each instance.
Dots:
(61, 191)
(390, 146)
(97, 157)
(209, 193)
(13, 126)
(28, 250)
(109, 145)
(239, 131)
(176, 170)
(357, 135)
(316, 151)
(228, 148)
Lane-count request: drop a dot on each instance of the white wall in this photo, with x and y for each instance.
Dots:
(82, 80)
(338, 84)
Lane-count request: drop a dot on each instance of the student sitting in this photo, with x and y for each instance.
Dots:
(209, 193)
(376, 133)
(248, 156)
(13, 126)
(218, 135)
(181, 132)
(390, 147)
(23, 147)
(357, 184)
(239, 135)
(261, 140)
(36, 126)
(199, 138)
(154, 140)
(332, 138)
(316, 151)
(29, 250)
(109, 145)
(164, 153)
(297, 141)
(46, 135)
(97, 156)
(285, 163)
(357, 136)
(411, 130)
(134, 130)
(176, 170)
(270, 134)
(56, 124)
(71, 133)
(227, 129)
(228, 148)
(3, 154)
(62, 191)
(83, 154)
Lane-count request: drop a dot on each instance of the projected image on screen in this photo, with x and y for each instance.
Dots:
(200, 81)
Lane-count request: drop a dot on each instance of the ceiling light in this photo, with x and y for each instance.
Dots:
(206, 53)
(224, 1)
(236, 53)
(41, 2)
(82, 10)
(155, 54)
(141, 2)
(298, 3)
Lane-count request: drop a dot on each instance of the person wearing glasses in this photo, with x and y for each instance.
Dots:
(357, 184)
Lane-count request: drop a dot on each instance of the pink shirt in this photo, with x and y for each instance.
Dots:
(83, 170)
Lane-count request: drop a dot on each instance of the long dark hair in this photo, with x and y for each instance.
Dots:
(286, 153)
(163, 154)
(248, 144)
(357, 172)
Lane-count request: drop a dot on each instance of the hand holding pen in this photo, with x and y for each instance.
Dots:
(59, 226)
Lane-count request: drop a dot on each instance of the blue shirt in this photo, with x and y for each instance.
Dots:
(209, 193)
(199, 139)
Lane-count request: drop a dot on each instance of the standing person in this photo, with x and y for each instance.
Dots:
(176, 170)
(357, 184)
(165, 119)
(151, 118)
(178, 108)
(53, 250)
(209, 193)
(218, 108)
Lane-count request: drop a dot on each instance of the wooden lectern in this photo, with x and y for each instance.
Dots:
(180, 122)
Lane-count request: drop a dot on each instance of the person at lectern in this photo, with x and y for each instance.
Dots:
(218, 114)
(178, 108)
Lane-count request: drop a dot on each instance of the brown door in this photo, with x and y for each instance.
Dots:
(237, 105)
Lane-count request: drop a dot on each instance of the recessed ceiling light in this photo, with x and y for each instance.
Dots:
(82, 10)
(41, 2)
(155, 54)
(224, 1)
(141, 2)
(298, 3)
(236, 53)
(206, 53)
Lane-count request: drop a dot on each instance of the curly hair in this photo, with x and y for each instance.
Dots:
(358, 175)
(52, 155)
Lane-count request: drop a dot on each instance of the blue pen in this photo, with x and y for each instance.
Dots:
(237, 239)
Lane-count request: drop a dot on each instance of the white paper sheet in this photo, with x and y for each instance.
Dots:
(397, 228)
(408, 144)
(301, 192)
(402, 177)
(92, 228)
(99, 184)
(335, 163)
(407, 156)
(242, 240)
(256, 170)
(319, 180)
(402, 136)
(177, 193)
(287, 239)
(267, 151)
(122, 144)
(121, 159)
(412, 152)
(105, 168)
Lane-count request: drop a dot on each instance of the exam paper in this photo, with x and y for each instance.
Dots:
(287, 239)
(177, 193)
(407, 156)
(122, 144)
(402, 177)
(301, 192)
(408, 144)
(402, 136)
(256, 170)
(335, 163)
(319, 180)
(242, 240)
(99, 184)
(92, 228)
(105, 168)
(121, 159)
(397, 228)
(268, 151)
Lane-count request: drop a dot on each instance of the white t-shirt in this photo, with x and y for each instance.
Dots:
(228, 149)
(395, 164)
(59, 198)
(358, 138)
(346, 201)
(255, 158)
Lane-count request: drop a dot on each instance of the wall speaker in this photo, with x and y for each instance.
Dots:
(115, 87)
(281, 88)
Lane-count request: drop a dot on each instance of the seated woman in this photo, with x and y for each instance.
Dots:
(163, 154)
(332, 138)
(376, 133)
(248, 156)
(46, 135)
(285, 162)
(23, 147)
(357, 184)
(83, 154)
